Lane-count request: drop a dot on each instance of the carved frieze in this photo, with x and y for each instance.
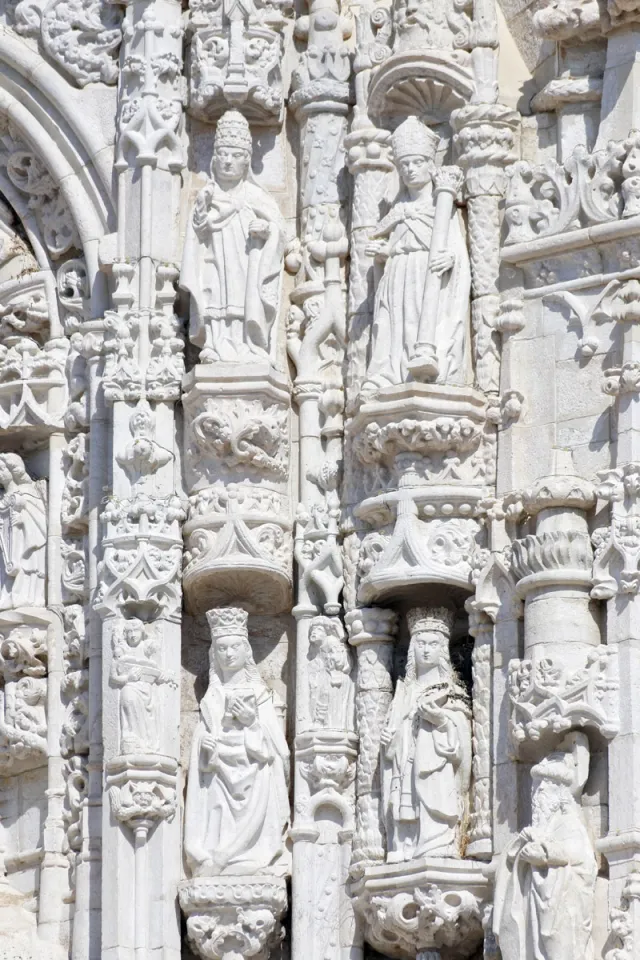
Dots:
(552, 198)
(142, 557)
(236, 54)
(24, 661)
(547, 697)
(433, 904)
(244, 912)
(82, 38)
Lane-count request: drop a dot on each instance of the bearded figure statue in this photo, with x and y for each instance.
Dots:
(546, 879)
(237, 806)
(426, 746)
(233, 255)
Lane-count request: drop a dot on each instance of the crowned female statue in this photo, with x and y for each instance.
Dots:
(237, 807)
(426, 746)
(23, 536)
(233, 254)
(405, 294)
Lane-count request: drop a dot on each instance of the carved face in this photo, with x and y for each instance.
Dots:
(414, 171)
(231, 653)
(429, 648)
(5, 475)
(548, 798)
(230, 164)
(316, 637)
(133, 634)
(141, 424)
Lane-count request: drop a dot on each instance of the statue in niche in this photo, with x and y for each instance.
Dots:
(23, 536)
(331, 695)
(426, 746)
(136, 669)
(426, 278)
(546, 879)
(237, 807)
(233, 255)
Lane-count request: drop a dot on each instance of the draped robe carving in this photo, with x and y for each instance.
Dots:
(237, 804)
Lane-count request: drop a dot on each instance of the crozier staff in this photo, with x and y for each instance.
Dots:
(402, 245)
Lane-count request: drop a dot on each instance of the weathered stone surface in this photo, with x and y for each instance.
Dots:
(319, 479)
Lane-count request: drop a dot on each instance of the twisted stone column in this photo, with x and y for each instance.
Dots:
(371, 632)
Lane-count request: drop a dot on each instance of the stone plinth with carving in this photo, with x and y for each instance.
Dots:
(239, 532)
(431, 904)
(229, 917)
(421, 455)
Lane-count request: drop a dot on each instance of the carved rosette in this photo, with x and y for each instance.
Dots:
(230, 917)
(238, 536)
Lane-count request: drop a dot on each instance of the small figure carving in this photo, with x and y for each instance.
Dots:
(23, 536)
(330, 685)
(143, 456)
(546, 879)
(423, 294)
(237, 807)
(135, 669)
(426, 746)
(233, 255)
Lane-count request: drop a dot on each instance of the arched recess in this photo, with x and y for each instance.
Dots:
(72, 133)
(68, 137)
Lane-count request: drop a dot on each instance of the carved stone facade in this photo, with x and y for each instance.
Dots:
(319, 480)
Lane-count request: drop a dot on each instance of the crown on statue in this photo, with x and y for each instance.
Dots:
(423, 619)
(227, 622)
(413, 139)
(233, 131)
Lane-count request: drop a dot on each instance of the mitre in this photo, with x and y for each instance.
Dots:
(413, 139)
(233, 131)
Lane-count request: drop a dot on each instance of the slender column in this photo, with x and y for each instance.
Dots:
(615, 580)
(86, 935)
(138, 590)
(480, 825)
(54, 871)
(369, 165)
(424, 364)
(485, 143)
(325, 738)
(372, 632)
